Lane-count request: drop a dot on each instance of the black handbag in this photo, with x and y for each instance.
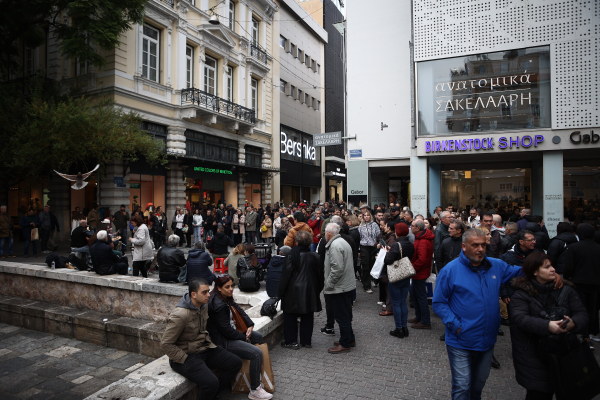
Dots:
(249, 279)
(236, 227)
(269, 308)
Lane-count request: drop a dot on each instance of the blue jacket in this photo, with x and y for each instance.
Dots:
(198, 265)
(466, 298)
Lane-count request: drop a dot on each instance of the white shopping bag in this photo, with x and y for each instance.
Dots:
(378, 266)
(430, 285)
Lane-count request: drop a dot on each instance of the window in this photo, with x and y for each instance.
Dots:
(313, 65)
(318, 105)
(254, 94)
(300, 98)
(282, 41)
(209, 147)
(505, 186)
(229, 83)
(210, 75)
(150, 53)
(293, 49)
(81, 67)
(231, 15)
(318, 68)
(189, 66)
(293, 91)
(253, 155)
(299, 54)
(307, 99)
(306, 61)
(282, 84)
(254, 31)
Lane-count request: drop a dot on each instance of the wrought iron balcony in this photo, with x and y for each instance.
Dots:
(170, 3)
(258, 53)
(217, 105)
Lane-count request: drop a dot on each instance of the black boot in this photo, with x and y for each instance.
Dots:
(443, 337)
(398, 333)
(405, 331)
(495, 363)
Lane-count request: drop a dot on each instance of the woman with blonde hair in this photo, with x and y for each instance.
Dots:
(369, 234)
(488, 239)
(232, 260)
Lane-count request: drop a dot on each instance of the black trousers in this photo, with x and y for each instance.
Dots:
(342, 313)
(329, 312)
(197, 368)
(366, 261)
(589, 297)
(140, 267)
(290, 327)
(535, 395)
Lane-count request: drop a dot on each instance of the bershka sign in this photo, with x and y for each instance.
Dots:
(473, 144)
(297, 149)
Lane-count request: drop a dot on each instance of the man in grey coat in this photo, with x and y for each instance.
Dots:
(339, 284)
(250, 224)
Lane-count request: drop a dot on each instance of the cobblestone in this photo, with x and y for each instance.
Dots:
(36, 365)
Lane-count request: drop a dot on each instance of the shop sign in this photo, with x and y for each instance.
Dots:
(334, 173)
(356, 153)
(213, 170)
(327, 139)
(297, 149)
(135, 186)
(451, 145)
(577, 138)
(118, 180)
(255, 190)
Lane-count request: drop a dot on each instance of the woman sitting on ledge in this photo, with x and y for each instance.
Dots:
(224, 332)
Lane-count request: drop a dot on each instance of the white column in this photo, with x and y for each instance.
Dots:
(263, 96)
(201, 60)
(181, 60)
(139, 49)
(203, 5)
(418, 185)
(553, 190)
(175, 189)
(242, 12)
(169, 59)
(241, 183)
(176, 140)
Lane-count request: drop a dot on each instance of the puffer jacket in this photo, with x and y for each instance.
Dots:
(142, 244)
(449, 250)
(531, 369)
(581, 261)
(423, 256)
(198, 263)
(541, 238)
(301, 282)
(170, 259)
(220, 323)
(290, 240)
(507, 242)
(186, 331)
(339, 267)
(466, 298)
(559, 244)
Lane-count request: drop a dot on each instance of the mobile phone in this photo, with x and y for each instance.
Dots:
(564, 324)
(382, 243)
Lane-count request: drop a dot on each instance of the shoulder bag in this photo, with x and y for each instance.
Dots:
(238, 320)
(400, 269)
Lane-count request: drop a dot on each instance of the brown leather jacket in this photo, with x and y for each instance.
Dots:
(186, 331)
(6, 226)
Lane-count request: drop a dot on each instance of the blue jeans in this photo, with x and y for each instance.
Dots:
(398, 292)
(197, 237)
(470, 369)
(26, 247)
(247, 351)
(418, 292)
(313, 246)
(10, 245)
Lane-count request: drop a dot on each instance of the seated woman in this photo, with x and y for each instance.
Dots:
(532, 291)
(232, 260)
(171, 262)
(223, 333)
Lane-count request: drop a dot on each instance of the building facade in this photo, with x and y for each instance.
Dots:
(508, 117)
(208, 91)
(302, 109)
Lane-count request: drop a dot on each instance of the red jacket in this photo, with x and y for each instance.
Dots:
(423, 256)
(316, 228)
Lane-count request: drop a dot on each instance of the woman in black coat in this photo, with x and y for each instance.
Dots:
(399, 290)
(223, 332)
(302, 279)
(527, 325)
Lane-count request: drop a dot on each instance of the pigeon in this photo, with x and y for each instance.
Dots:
(79, 179)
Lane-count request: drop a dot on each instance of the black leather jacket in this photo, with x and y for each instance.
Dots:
(170, 259)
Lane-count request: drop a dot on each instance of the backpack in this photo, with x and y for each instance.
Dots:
(273, 278)
(59, 262)
(249, 279)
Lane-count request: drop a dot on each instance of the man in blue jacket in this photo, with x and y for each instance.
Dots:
(466, 298)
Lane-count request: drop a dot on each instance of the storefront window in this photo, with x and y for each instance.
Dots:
(144, 189)
(485, 92)
(253, 156)
(209, 147)
(500, 190)
(581, 189)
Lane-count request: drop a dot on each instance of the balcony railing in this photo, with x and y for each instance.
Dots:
(216, 104)
(170, 3)
(258, 53)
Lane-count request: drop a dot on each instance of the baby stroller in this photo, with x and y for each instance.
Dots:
(263, 253)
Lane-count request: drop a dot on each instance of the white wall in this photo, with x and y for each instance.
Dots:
(379, 77)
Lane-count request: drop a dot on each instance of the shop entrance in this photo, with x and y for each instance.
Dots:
(201, 198)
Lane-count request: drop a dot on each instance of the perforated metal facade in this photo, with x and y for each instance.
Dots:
(450, 28)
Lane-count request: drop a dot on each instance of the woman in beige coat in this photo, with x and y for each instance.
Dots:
(266, 235)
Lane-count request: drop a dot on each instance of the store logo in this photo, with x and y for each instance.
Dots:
(357, 191)
(296, 149)
(577, 138)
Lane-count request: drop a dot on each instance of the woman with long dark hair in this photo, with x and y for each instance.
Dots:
(225, 333)
(249, 259)
(534, 296)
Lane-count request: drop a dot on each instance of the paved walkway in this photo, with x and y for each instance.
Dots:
(36, 365)
(380, 366)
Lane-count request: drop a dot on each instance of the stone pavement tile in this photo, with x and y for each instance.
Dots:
(89, 387)
(4, 351)
(41, 395)
(76, 373)
(68, 395)
(15, 339)
(90, 359)
(12, 365)
(25, 347)
(107, 351)
(63, 351)
(26, 394)
(8, 396)
(116, 355)
(35, 334)
(54, 385)
(127, 361)
(9, 356)
(8, 328)
(19, 382)
(82, 379)
(134, 367)
(109, 373)
(89, 346)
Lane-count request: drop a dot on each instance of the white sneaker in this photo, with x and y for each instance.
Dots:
(380, 303)
(259, 394)
(595, 338)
